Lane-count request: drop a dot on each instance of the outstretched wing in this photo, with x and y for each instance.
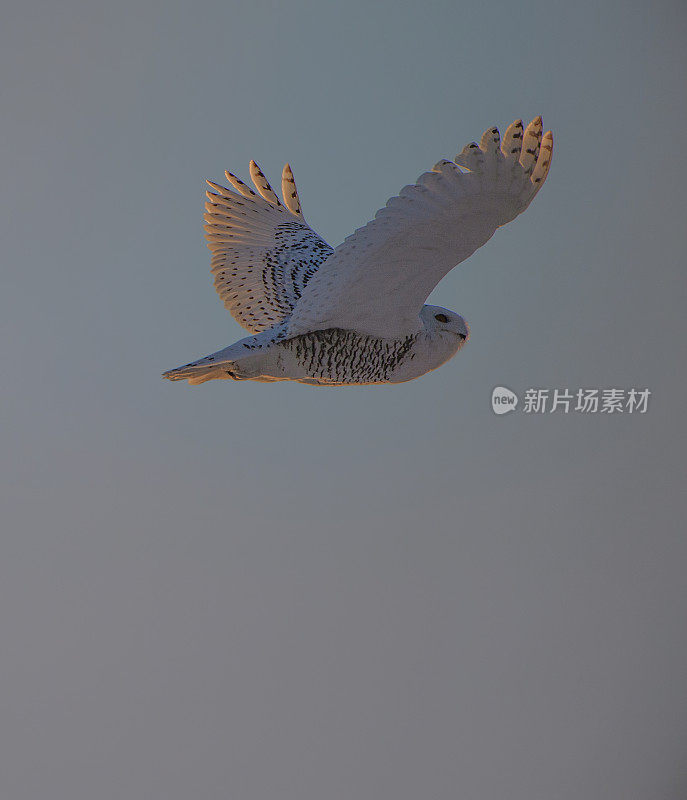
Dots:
(263, 251)
(379, 278)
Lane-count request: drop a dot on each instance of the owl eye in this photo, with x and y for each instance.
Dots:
(441, 317)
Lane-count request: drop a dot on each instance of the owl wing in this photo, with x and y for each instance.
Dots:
(263, 251)
(378, 279)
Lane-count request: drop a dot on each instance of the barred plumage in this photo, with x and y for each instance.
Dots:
(339, 357)
(356, 315)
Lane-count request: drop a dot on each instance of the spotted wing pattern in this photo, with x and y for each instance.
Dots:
(263, 251)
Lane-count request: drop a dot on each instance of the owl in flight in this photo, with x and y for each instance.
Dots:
(356, 314)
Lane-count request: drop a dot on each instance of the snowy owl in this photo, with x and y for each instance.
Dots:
(356, 314)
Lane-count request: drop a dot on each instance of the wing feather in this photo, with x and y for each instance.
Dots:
(263, 251)
(378, 279)
(290, 193)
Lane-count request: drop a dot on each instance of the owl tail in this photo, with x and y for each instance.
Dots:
(201, 373)
(242, 361)
(225, 365)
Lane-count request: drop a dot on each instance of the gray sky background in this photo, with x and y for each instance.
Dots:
(264, 591)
